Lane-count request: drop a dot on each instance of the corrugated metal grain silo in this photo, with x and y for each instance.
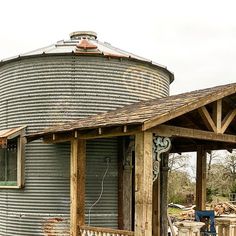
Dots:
(59, 83)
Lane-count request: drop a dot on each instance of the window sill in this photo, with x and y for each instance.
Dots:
(11, 185)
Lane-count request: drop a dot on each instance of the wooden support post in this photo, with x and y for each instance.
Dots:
(217, 115)
(121, 148)
(201, 179)
(77, 185)
(143, 184)
(156, 215)
(127, 187)
(164, 193)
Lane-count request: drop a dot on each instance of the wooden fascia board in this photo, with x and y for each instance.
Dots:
(58, 138)
(175, 131)
(157, 120)
(110, 132)
(91, 134)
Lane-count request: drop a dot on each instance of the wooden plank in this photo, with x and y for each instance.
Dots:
(81, 181)
(121, 148)
(178, 148)
(58, 137)
(109, 231)
(127, 184)
(171, 226)
(201, 179)
(156, 208)
(227, 120)
(77, 185)
(175, 131)
(92, 134)
(74, 187)
(208, 121)
(164, 193)
(110, 132)
(143, 183)
(21, 161)
(217, 115)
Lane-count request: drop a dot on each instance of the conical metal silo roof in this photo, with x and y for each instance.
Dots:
(85, 43)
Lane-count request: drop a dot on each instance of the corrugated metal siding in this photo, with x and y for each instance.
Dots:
(105, 212)
(39, 92)
(45, 196)
(43, 91)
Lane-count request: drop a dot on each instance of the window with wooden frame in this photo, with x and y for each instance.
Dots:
(11, 157)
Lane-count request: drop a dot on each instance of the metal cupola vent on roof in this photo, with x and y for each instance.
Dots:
(85, 44)
(83, 35)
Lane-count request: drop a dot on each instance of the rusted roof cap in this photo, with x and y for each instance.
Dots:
(85, 43)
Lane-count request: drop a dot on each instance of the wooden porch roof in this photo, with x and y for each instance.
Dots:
(151, 113)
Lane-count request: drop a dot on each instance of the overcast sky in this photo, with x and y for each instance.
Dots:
(194, 39)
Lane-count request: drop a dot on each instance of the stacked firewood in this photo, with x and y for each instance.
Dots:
(224, 208)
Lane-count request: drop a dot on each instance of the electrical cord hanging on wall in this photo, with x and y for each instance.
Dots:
(108, 159)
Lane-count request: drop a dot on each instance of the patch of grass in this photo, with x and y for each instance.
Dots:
(174, 211)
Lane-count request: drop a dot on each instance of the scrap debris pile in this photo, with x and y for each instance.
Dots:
(225, 208)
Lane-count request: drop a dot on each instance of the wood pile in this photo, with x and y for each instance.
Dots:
(224, 208)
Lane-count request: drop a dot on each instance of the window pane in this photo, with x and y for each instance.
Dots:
(2, 165)
(8, 164)
(12, 165)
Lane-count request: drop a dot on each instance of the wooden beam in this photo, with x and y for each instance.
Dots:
(127, 184)
(175, 131)
(201, 179)
(207, 119)
(77, 185)
(227, 120)
(81, 181)
(107, 132)
(143, 184)
(21, 160)
(217, 115)
(58, 137)
(156, 215)
(110, 132)
(121, 147)
(164, 193)
(176, 148)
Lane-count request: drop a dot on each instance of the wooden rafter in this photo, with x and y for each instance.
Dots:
(92, 133)
(208, 121)
(215, 122)
(217, 115)
(175, 131)
(227, 120)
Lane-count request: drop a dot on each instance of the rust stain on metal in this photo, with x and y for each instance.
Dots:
(49, 226)
(85, 44)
